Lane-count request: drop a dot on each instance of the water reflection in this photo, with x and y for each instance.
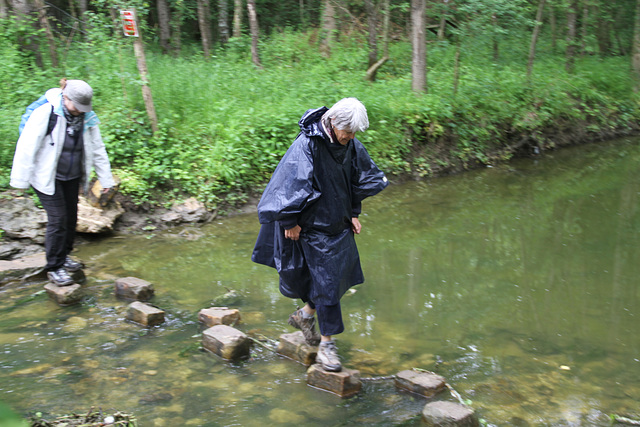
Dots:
(517, 283)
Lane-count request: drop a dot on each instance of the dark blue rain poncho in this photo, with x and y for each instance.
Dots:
(318, 185)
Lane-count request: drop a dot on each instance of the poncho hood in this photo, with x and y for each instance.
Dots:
(310, 122)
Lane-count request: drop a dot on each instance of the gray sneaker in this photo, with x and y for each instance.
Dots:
(72, 265)
(60, 277)
(328, 357)
(307, 326)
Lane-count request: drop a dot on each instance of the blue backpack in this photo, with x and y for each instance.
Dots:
(52, 117)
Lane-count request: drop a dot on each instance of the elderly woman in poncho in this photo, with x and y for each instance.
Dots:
(309, 215)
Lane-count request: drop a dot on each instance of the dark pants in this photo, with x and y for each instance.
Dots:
(62, 216)
(329, 318)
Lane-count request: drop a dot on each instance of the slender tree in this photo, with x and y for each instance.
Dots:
(46, 27)
(223, 21)
(23, 10)
(204, 22)
(635, 59)
(253, 26)
(329, 27)
(534, 38)
(372, 23)
(164, 20)
(419, 47)
(237, 18)
(176, 27)
(570, 54)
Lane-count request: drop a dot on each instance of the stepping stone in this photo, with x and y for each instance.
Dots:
(219, 316)
(131, 288)
(427, 384)
(443, 413)
(296, 348)
(145, 314)
(64, 295)
(227, 342)
(345, 383)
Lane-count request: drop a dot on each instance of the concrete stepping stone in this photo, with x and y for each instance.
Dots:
(64, 295)
(219, 316)
(427, 384)
(444, 413)
(227, 342)
(345, 383)
(132, 288)
(293, 346)
(145, 314)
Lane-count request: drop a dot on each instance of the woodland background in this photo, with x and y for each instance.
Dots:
(207, 100)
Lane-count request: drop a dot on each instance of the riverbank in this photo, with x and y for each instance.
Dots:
(148, 218)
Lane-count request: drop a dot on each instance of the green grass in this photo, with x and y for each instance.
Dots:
(224, 124)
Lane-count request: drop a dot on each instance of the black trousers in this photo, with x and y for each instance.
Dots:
(62, 217)
(329, 318)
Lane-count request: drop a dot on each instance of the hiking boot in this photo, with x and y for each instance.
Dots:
(60, 277)
(307, 326)
(328, 357)
(72, 265)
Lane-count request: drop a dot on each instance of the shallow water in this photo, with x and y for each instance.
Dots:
(517, 283)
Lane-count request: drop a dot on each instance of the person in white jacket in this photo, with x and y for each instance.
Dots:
(57, 164)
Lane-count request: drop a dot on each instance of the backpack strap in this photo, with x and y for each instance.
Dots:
(53, 119)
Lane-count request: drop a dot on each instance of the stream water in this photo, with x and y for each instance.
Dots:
(518, 284)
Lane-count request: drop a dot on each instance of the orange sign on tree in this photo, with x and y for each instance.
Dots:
(129, 24)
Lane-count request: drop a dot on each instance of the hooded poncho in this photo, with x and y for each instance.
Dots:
(318, 185)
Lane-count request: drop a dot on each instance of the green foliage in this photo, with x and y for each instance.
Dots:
(224, 125)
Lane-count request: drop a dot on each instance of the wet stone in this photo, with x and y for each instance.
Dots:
(296, 348)
(345, 383)
(132, 288)
(425, 383)
(443, 413)
(64, 295)
(145, 314)
(227, 342)
(219, 316)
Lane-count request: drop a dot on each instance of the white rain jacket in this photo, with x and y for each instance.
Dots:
(36, 159)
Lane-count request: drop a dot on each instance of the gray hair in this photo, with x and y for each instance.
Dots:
(348, 114)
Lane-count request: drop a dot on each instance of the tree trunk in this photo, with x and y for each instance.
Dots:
(329, 27)
(385, 26)
(82, 9)
(534, 38)
(584, 27)
(253, 27)
(553, 25)
(372, 23)
(164, 19)
(23, 12)
(204, 22)
(223, 21)
(237, 18)
(443, 21)
(46, 26)
(604, 35)
(4, 9)
(494, 37)
(176, 27)
(571, 36)
(456, 69)
(146, 90)
(302, 20)
(419, 47)
(635, 58)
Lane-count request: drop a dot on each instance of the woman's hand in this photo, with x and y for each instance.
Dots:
(355, 225)
(293, 233)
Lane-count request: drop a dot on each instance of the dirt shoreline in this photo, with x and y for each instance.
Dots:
(443, 162)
